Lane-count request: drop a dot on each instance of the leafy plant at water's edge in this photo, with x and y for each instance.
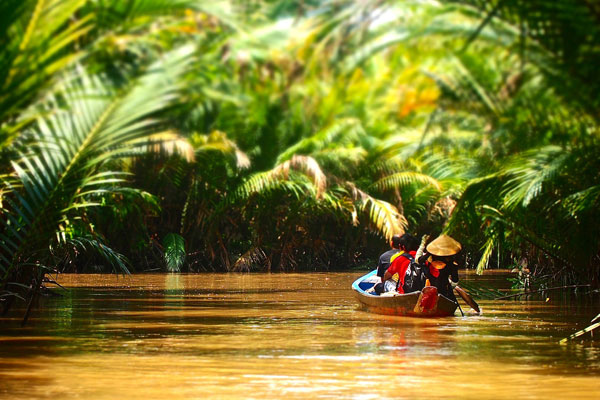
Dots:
(55, 182)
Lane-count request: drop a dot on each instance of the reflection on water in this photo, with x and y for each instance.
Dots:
(293, 336)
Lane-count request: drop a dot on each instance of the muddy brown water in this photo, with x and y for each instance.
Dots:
(292, 336)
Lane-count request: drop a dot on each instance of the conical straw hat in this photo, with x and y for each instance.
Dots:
(444, 245)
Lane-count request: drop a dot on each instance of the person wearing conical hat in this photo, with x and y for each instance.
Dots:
(440, 257)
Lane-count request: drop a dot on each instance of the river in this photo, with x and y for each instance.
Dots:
(292, 336)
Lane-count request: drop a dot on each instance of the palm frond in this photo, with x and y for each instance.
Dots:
(530, 171)
(561, 38)
(94, 244)
(218, 141)
(587, 199)
(99, 125)
(33, 47)
(405, 178)
(254, 256)
(120, 14)
(485, 256)
(166, 142)
(174, 252)
(308, 165)
(340, 132)
(384, 216)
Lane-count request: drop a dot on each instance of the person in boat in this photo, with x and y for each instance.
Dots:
(386, 258)
(407, 244)
(440, 258)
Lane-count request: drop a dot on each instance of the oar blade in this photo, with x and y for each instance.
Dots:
(467, 298)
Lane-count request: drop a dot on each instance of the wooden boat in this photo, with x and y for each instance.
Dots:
(425, 303)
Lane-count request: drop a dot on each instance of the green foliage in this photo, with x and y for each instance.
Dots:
(57, 180)
(174, 246)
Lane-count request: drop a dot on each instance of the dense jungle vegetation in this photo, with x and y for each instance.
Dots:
(283, 135)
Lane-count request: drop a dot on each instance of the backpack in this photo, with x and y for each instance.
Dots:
(415, 278)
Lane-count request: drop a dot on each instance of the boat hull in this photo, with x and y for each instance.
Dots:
(426, 303)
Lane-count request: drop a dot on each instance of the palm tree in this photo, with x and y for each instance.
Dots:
(88, 124)
(40, 39)
(536, 200)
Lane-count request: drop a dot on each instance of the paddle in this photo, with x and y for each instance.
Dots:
(460, 308)
(467, 298)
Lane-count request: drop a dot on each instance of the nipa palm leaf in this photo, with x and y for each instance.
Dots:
(88, 125)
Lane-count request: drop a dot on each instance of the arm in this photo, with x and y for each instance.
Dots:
(427, 270)
(396, 267)
(380, 267)
(392, 269)
(387, 275)
(421, 250)
(454, 274)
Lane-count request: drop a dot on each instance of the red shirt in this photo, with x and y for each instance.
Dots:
(400, 265)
